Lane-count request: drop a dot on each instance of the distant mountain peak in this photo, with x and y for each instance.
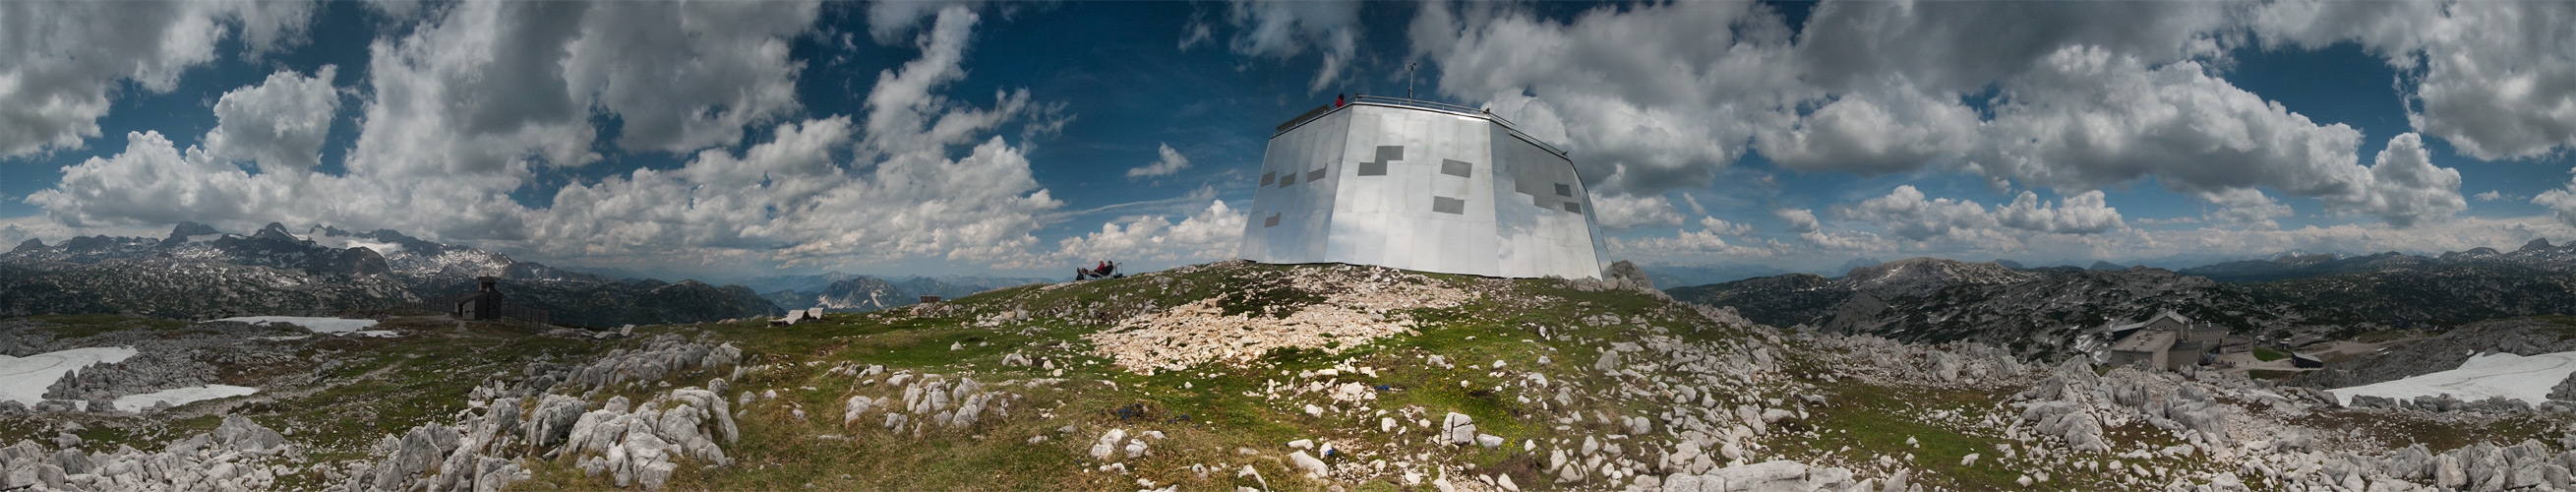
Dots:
(185, 229)
(276, 271)
(275, 231)
(2104, 265)
(1857, 263)
(1918, 276)
(2541, 244)
(862, 292)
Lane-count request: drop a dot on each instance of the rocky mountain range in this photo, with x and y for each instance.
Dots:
(199, 272)
(2447, 290)
(2537, 254)
(2040, 313)
(1703, 274)
(2057, 310)
(867, 293)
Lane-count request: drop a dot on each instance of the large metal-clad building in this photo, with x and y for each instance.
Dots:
(1420, 186)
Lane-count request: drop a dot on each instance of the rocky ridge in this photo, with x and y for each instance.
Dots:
(2039, 314)
(198, 272)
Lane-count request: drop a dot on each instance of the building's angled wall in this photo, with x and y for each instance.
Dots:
(2120, 358)
(1420, 190)
(1544, 216)
(1292, 211)
(1431, 206)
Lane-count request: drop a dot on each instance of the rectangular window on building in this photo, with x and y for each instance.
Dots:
(1573, 207)
(1273, 221)
(1372, 169)
(1455, 168)
(1315, 175)
(1448, 205)
(1564, 191)
(1269, 178)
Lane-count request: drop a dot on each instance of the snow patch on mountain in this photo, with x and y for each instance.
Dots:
(316, 324)
(24, 378)
(2481, 377)
(181, 396)
(385, 249)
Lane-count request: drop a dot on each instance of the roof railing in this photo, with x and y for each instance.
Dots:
(1310, 114)
(1319, 111)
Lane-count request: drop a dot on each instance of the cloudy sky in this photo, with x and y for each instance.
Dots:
(723, 138)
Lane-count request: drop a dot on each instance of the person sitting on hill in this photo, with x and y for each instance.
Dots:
(1106, 269)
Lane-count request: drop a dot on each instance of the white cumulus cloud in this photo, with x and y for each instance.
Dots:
(1907, 213)
(1654, 96)
(2561, 201)
(1281, 29)
(279, 123)
(2083, 213)
(2083, 96)
(2496, 79)
(2406, 188)
(1723, 228)
(1171, 162)
(432, 161)
(154, 182)
(1892, 127)
(1622, 212)
(683, 76)
(2244, 208)
(1801, 221)
(1211, 234)
(66, 59)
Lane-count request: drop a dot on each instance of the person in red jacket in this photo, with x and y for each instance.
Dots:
(1337, 100)
(1103, 270)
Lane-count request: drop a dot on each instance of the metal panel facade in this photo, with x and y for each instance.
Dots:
(1420, 190)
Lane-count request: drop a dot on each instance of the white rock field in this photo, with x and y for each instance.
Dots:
(317, 324)
(181, 396)
(24, 378)
(2481, 377)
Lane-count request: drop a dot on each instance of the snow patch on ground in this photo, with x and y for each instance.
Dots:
(318, 325)
(24, 378)
(2481, 377)
(181, 396)
(374, 333)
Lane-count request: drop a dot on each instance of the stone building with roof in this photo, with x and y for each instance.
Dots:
(483, 304)
(2167, 340)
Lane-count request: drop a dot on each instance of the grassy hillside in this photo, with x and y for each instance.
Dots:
(1231, 374)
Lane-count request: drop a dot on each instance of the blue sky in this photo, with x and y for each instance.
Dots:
(933, 138)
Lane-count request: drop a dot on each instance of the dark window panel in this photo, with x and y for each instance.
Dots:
(1448, 205)
(1455, 168)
